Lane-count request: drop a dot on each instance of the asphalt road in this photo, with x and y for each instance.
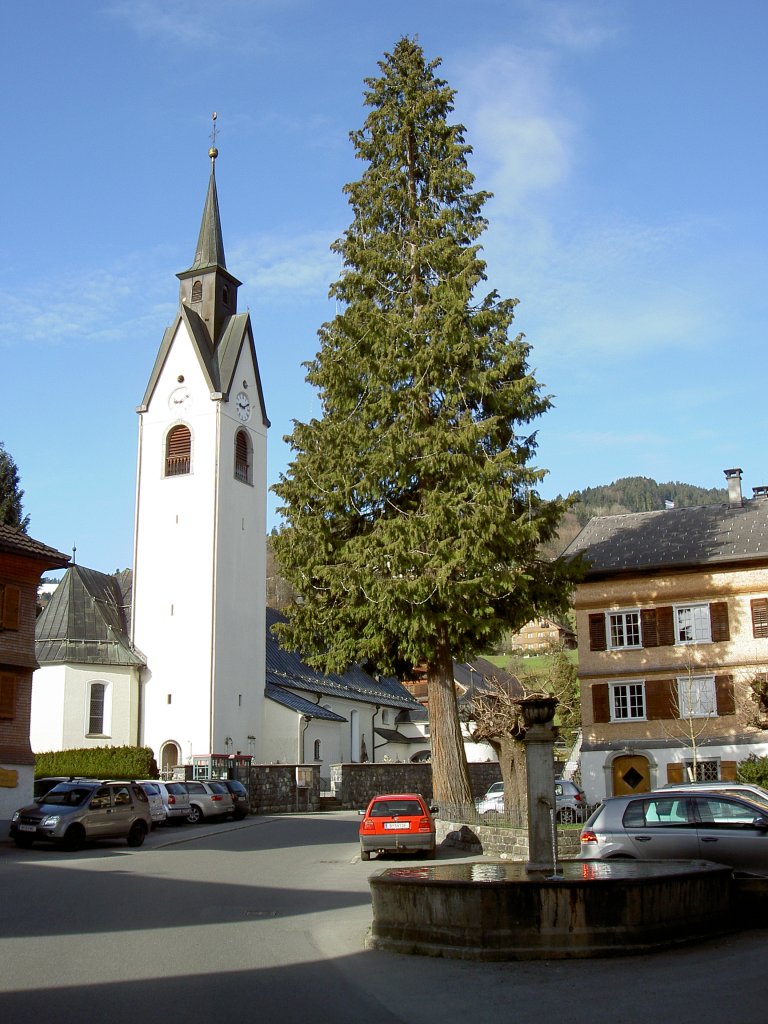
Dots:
(264, 920)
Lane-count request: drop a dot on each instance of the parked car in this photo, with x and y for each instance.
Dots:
(708, 825)
(397, 821)
(83, 809)
(174, 796)
(747, 789)
(569, 801)
(156, 805)
(46, 783)
(240, 798)
(208, 800)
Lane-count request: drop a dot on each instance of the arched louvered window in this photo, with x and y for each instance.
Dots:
(197, 291)
(242, 457)
(178, 451)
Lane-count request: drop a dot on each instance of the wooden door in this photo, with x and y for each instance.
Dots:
(631, 774)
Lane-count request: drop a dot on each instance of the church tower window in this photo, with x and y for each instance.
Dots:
(242, 457)
(178, 451)
(98, 709)
(197, 291)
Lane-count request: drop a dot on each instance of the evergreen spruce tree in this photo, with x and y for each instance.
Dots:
(412, 520)
(11, 511)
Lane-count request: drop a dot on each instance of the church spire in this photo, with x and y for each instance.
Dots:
(207, 287)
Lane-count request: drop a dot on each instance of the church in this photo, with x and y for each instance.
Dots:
(177, 654)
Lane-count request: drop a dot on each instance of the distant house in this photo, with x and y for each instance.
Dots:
(543, 634)
(672, 620)
(22, 562)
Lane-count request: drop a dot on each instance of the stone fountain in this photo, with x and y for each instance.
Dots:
(503, 910)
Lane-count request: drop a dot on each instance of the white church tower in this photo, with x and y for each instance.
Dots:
(200, 540)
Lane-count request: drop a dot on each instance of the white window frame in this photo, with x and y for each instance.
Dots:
(696, 696)
(698, 623)
(622, 614)
(633, 700)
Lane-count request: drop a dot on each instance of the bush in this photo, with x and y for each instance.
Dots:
(754, 769)
(99, 763)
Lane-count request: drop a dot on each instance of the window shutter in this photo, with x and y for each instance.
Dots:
(7, 695)
(675, 773)
(660, 699)
(11, 604)
(178, 452)
(597, 641)
(726, 701)
(665, 626)
(759, 617)
(601, 711)
(648, 622)
(728, 771)
(718, 621)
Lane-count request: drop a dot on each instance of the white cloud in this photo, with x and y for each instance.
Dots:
(194, 23)
(301, 265)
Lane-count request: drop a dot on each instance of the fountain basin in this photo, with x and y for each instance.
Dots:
(497, 910)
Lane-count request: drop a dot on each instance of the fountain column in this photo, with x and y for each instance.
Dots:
(538, 713)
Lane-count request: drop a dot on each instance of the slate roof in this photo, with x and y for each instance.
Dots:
(394, 736)
(86, 621)
(296, 703)
(674, 539)
(16, 542)
(286, 669)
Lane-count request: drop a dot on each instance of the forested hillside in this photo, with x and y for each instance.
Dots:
(631, 494)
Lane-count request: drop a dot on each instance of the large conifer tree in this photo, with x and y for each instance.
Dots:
(11, 508)
(412, 520)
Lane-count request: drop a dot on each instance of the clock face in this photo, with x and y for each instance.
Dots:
(243, 406)
(180, 400)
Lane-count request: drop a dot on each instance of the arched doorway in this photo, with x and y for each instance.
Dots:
(170, 756)
(630, 773)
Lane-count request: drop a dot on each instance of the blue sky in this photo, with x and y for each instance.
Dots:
(625, 143)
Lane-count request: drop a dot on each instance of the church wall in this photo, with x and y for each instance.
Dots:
(47, 721)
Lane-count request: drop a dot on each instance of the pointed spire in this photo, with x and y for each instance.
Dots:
(210, 244)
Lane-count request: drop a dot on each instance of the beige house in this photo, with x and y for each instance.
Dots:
(542, 634)
(672, 620)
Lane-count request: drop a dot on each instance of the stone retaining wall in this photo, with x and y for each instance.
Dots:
(360, 782)
(274, 789)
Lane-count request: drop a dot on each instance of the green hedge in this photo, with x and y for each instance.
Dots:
(99, 763)
(754, 769)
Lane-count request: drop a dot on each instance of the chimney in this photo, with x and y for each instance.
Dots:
(733, 476)
(760, 492)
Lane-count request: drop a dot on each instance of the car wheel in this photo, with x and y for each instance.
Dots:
(195, 815)
(566, 816)
(74, 838)
(365, 855)
(24, 841)
(137, 833)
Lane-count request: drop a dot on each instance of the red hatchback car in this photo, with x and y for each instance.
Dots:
(397, 821)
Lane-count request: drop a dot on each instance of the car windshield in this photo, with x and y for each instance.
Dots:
(67, 796)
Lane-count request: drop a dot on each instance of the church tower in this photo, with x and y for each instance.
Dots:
(200, 535)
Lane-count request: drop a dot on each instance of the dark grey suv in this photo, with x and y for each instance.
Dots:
(83, 809)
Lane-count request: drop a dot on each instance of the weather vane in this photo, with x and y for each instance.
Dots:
(213, 152)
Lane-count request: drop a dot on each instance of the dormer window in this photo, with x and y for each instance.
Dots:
(197, 291)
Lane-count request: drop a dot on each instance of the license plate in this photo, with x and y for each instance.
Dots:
(27, 828)
(401, 826)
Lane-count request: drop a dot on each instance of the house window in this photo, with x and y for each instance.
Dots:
(197, 291)
(98, 709)
(692, 624)
(704, 771)
(759, 606)
(178, 451)
(10, 604)
(627, 701)
(696, 696)
(242, 457)
(624, 629)
(7, 695)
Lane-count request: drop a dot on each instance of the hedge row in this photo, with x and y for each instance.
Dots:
(99, 763)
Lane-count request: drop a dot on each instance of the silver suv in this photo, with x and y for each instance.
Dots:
(208, 800)
(83, 809)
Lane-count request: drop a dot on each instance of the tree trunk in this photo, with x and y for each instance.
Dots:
(512, 761)
(450, 774)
